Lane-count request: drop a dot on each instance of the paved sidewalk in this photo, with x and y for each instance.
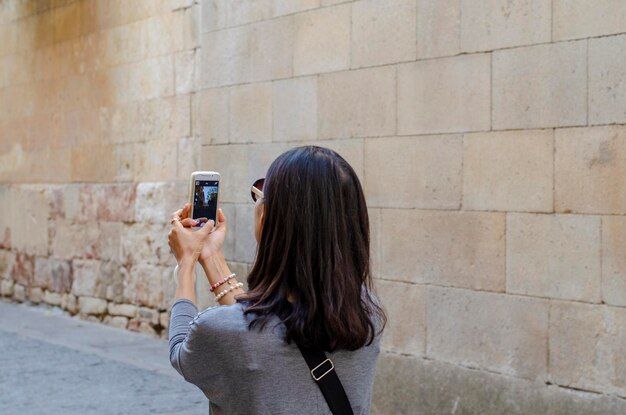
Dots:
(55, 364)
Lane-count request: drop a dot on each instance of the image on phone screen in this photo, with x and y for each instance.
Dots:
(205, 199)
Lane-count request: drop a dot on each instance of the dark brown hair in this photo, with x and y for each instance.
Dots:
(315, 244)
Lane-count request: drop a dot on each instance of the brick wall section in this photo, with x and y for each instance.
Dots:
(490, 138)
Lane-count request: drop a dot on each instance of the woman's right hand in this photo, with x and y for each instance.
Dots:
(215, 241)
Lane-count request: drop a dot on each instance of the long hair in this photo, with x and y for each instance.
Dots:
(315, 244)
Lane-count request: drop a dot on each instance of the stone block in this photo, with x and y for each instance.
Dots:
(228, 209)
(590, 166)
(225, 57)
(111, 240)
(357, 103)
(245, 242)
(7, 263)
(438, 28)
(71, 240)
(322, 40)
(587, 345)
(607, 89)
(146, 242)
(118, 201)
(156, 201)
(141, 327)
(251, 113)
(188, 158)
(184, 71)
(555, 96)
(28, 219)
(148, 120)
(405, 307)
(187, 34)
(19, 292)
(501, 333)
(142, 80)
(87, 278)
(113, 275)
(53, 274)
(272, 49)
(444, 95)
(155, 161)
(125, 162)
(614, 260)
(432, 166)
(23, 269)
(116, 321)
(295, 109)
(6, 288)
(211, 115)
(232, 163)
(126, 310)
(52, 298)
(509, 171)
(574, 19)
(383, 32)
(93, 162)
(241, 13)
(404, 383)
(35, 294)
(213, 15)
(70, 303)
(91, 305)
(556, 256)
(495, 24)
(440, 247)
(148, 315)
(150, 285)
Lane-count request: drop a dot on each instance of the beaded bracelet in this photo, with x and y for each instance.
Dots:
(222, 281)
(226, 291)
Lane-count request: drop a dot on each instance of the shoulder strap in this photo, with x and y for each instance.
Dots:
(323, 373)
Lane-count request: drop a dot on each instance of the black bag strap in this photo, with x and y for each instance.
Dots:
(323, 373)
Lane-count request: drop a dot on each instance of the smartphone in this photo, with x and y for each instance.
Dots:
(204, 193)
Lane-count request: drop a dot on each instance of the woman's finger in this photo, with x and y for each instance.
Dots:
(185, 211)
(188, 222)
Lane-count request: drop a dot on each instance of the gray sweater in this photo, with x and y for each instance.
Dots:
(255, 372)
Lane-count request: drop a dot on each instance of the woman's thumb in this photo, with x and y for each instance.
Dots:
(207, 228)
(221, 217)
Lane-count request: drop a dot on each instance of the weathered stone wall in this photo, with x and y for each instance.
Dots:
(95, 152)
(490, 138)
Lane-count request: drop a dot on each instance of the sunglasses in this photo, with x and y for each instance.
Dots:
(256, 190)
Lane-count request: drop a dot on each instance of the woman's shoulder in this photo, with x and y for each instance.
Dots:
(222, 317)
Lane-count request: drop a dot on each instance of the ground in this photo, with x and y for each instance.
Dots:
(56, 364)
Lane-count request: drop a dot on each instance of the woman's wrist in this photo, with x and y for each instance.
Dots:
(215, 267)
(217, 270)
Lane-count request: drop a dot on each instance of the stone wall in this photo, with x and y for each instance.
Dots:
(490, 138)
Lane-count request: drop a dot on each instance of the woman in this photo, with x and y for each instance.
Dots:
(310, 284)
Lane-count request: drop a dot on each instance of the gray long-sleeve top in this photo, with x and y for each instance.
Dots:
(254, 372)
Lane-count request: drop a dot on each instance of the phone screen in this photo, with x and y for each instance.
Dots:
(205, 199)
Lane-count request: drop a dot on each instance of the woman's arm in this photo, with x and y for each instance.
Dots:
(216, 268)
(186, 287)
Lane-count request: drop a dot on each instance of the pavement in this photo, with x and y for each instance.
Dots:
(56, 364)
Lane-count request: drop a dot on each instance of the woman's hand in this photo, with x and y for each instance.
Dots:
(214, 243)
(187, 245)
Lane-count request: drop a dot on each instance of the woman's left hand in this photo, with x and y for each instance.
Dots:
(186, 244)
